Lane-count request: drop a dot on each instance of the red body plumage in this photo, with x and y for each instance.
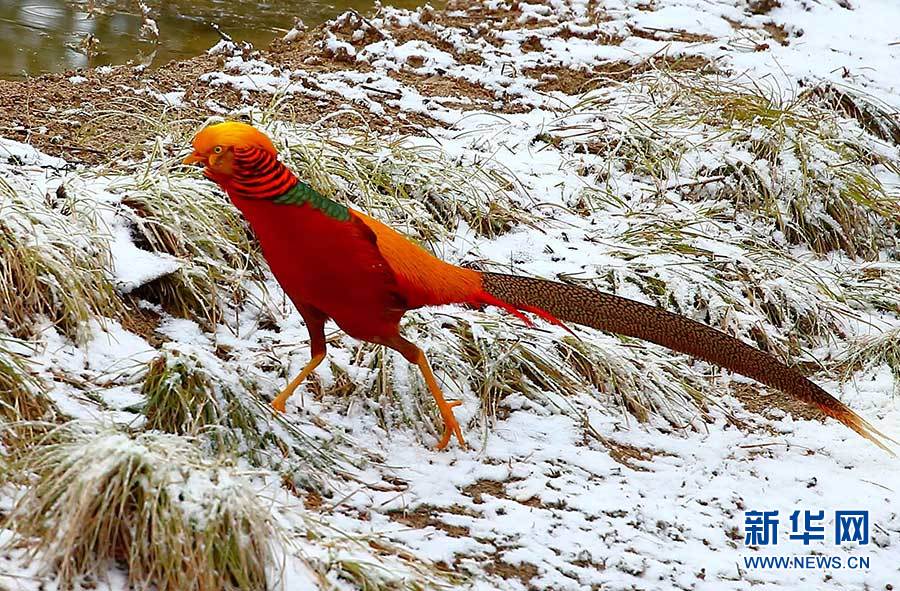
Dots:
(328, 264)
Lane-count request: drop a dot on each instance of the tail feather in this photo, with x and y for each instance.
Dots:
(607, 312)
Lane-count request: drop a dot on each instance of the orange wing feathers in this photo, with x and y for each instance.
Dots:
(423, 279)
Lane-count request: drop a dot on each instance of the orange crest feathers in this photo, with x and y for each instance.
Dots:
(231, 134)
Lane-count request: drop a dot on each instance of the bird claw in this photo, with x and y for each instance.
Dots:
(451, 426)
(278, 405)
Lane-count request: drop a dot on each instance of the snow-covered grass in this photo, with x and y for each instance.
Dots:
(805, 169)
(52, 257)
(151, 501)
(873, 351)
(23, 398)
(189, 391)
(170, 214)
(186, 397)
(418, 188)
(760, 196)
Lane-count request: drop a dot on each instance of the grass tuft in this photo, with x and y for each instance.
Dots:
(870, 352)
(185, 398)
(417, 189)
(53, 261)
(26, 412)
(173, 214)
(191, 392)
(876, 117)
(21, 392)
(791, 164)
(178, 521)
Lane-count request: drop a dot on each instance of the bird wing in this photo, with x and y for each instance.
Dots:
(422, 278)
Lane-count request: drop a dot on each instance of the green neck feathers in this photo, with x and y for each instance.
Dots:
(302, 193)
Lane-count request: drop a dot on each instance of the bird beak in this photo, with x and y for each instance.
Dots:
(194, 159)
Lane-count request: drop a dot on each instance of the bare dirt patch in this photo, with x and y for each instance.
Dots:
(144, 323)
(777, 32)
(573, 82)
(413, 33)
(671, 35)
(760, 401)
(428, 515)
(763, 6)
(523, 571)
(565, 80)
(494, 488)
(629, 455)
(449, 90)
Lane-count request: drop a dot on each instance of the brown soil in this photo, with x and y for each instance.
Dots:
(777, 32)
(494, 488)
(763, 6)
(629, 455)
(449, 91)
(418, 33)
(107, 116)
(671, 35)
(564, 80)
(110, 117)
(760, 401)
(573, 82)
(522, 571)
(143, 322)
(427, 515)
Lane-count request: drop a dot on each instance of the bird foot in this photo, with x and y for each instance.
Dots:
(278, 404)
(451, 426)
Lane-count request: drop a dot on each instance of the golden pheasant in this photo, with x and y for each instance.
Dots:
(334, 262)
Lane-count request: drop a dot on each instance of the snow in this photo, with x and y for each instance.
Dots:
(170, 99)
(575, 489)
(134, 267)
(27, 155)
(682, 18)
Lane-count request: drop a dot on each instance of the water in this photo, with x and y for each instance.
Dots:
(39, 36)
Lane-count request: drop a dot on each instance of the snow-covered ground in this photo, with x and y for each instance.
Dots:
(555, 492)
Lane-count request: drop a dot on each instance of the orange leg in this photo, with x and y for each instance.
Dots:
(280, 400)
(315, 324)
(415, 355)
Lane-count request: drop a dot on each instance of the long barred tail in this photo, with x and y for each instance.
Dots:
(611, 313)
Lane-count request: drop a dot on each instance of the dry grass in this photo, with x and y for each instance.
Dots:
(185, 398)
(369, 562)
(876, 117)
(870, 352)
(21, 392)
(173, 214)
(26, 412)
(53, 257)
(489, 357)
(191, 392)
(417, 189)
(176, 520)
(795, 301)
(796, 165)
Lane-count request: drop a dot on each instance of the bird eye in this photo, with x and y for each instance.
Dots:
(217, 149)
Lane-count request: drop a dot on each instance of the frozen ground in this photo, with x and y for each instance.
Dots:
(555, 492)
